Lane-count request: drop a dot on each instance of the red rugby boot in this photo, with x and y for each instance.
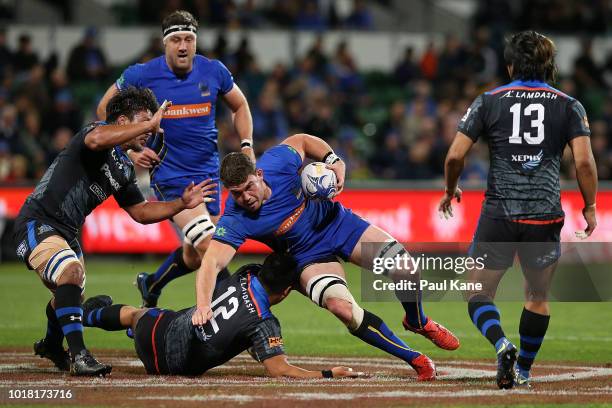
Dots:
(424, 367)
(438, 334)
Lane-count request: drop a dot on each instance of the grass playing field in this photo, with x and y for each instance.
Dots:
(578, 331)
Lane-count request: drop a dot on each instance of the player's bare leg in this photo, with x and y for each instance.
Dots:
(325, 284)
(534, 319)
(415, 319)
(197, 226)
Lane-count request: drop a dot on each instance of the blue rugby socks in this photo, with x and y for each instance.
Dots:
(54, 336)
(486, 318)
(532, 329)
(376, 333)
(70, 316)
(174, 267)
(107, 318)
(414, 313)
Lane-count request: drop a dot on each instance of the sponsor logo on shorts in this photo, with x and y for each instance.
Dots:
(275, 341)
(97, 190)
(44, 228)
(22, 248)
(188, 111)
(74, 318)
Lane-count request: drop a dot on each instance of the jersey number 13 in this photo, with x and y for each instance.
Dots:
(537, 123)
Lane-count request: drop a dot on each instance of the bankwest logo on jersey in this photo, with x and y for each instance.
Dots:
(187, 111)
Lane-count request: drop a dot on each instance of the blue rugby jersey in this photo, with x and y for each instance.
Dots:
(190, 132)
(307, 229)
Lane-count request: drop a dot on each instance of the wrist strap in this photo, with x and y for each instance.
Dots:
(330, 158)
(246, 143)
(594, 205)
(327, 373)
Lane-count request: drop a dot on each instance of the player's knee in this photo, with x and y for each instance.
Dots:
(388, 255)
(331, 292)
(72, 274)
(340, 308)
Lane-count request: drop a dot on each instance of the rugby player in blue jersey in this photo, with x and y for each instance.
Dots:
(187, 150)
(267, 204)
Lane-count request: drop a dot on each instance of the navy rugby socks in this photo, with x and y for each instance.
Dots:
(172, 268)
(70, 316)
(376, 333)
(54, 336)
(414, 313)
(485, 316)
(532, 329)
(107, 318)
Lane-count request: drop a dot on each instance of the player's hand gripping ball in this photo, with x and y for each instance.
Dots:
(319, 182)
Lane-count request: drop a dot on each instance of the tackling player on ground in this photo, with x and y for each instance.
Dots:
(187, 151)
(91, 168)
(527, 124)
(167, 342)
(267, 204)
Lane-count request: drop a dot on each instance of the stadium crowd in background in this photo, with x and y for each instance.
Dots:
(388, 125)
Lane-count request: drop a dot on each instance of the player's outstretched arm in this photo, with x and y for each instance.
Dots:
(241, 117)
(150, 212)
(317, 149)
(217, 256)
(278, 366)
(586, 174)
(106, 137)
(453, 166)
(101, 109)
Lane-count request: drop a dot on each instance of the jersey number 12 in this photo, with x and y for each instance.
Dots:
(537, 123)
(223, 310)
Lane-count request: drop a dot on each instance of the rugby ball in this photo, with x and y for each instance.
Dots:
(318, 182)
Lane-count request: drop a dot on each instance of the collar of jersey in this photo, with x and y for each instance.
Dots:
(171, 72)
(124, 157)
(260, 296)
(529, 84)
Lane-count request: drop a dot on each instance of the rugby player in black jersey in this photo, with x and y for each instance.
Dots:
(527, 124)
(168, 343)
(91, 168)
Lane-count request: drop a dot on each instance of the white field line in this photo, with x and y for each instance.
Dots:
(355, 361)
(165, 381)
(448, 370)
(324, 396)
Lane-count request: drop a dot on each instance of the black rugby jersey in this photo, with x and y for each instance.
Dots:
(242, 320)
(78, 180)
(527, 125)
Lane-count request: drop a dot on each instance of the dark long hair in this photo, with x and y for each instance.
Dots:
(129, 102)
(532, 56)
